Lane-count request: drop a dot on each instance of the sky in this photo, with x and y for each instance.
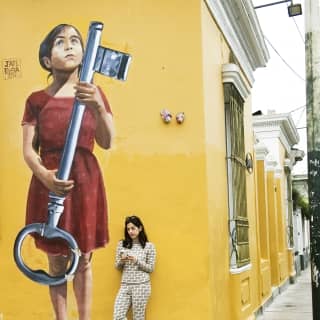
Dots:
(281, 86)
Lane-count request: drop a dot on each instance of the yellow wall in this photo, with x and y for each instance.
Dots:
(280, 256)
(287, 255)
(283, 258)
(173, 176)
(263, 209)
(156, 171)
(213, 58)
(273, 227)
(263, 223)
(234, 296)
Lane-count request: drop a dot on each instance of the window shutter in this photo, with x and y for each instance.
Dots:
(236, 166)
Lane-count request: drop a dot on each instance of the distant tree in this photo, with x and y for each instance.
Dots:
(301, 202)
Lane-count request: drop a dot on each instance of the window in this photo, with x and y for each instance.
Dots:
(236, 167)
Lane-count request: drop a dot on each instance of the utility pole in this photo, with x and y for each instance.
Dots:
(312, 47)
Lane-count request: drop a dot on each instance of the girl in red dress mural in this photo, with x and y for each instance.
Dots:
(45, 123)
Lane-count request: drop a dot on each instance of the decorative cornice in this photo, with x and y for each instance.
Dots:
(288, 165)
(278, 172)
(261, 151)
(277, 125)
(231, 74)
(297, 154)
(239, 24)
(271, 163)
(300, 177)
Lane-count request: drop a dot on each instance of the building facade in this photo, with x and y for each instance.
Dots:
(209, 197)
(276, 156)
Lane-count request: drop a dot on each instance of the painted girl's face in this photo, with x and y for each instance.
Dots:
(133, 230)
(67, 51)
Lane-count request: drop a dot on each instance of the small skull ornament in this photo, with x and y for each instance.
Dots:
(180, 117)
(166, 115)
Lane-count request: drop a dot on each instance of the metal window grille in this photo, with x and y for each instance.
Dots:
(236, 167)
(290, 241)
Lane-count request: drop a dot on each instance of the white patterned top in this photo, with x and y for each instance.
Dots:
(139, 272)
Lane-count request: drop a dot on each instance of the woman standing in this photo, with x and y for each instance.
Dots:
(136, 258)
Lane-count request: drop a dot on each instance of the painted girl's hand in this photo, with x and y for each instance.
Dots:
(59, 187)
(88, 94)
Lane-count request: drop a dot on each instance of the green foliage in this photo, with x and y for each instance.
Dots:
(301, 202)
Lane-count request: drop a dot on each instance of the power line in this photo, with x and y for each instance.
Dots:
(297, 108)
(300, 117)
(301, 36)
(284, 61)
(294, 110)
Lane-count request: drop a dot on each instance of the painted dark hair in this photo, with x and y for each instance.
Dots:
(47, 44)
(143, 239)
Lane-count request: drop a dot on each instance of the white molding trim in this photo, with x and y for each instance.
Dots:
(288, 164)
(300, 177)
(278, 172)
(277, 126)
(271, 163)
(239, 24)
(241, 269)
(261, 151)
(231, 74)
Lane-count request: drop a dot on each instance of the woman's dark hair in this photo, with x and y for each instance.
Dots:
(47, 44)
(143, 239)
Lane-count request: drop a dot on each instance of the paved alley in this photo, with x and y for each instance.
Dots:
(295, 303)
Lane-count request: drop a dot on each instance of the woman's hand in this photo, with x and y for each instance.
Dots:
(88, 94)
(126, 258)
(59, 187)
(132, 259)
(123, 257)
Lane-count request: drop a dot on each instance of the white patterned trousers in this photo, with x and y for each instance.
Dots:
(135, 295)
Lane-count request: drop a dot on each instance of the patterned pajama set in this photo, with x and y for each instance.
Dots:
(135, 286)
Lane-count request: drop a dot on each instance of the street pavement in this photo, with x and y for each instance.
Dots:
(294, 303)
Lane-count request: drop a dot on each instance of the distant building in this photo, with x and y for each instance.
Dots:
(301, 222)
(276, 136)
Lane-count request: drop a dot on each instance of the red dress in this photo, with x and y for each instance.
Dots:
(85, 207)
